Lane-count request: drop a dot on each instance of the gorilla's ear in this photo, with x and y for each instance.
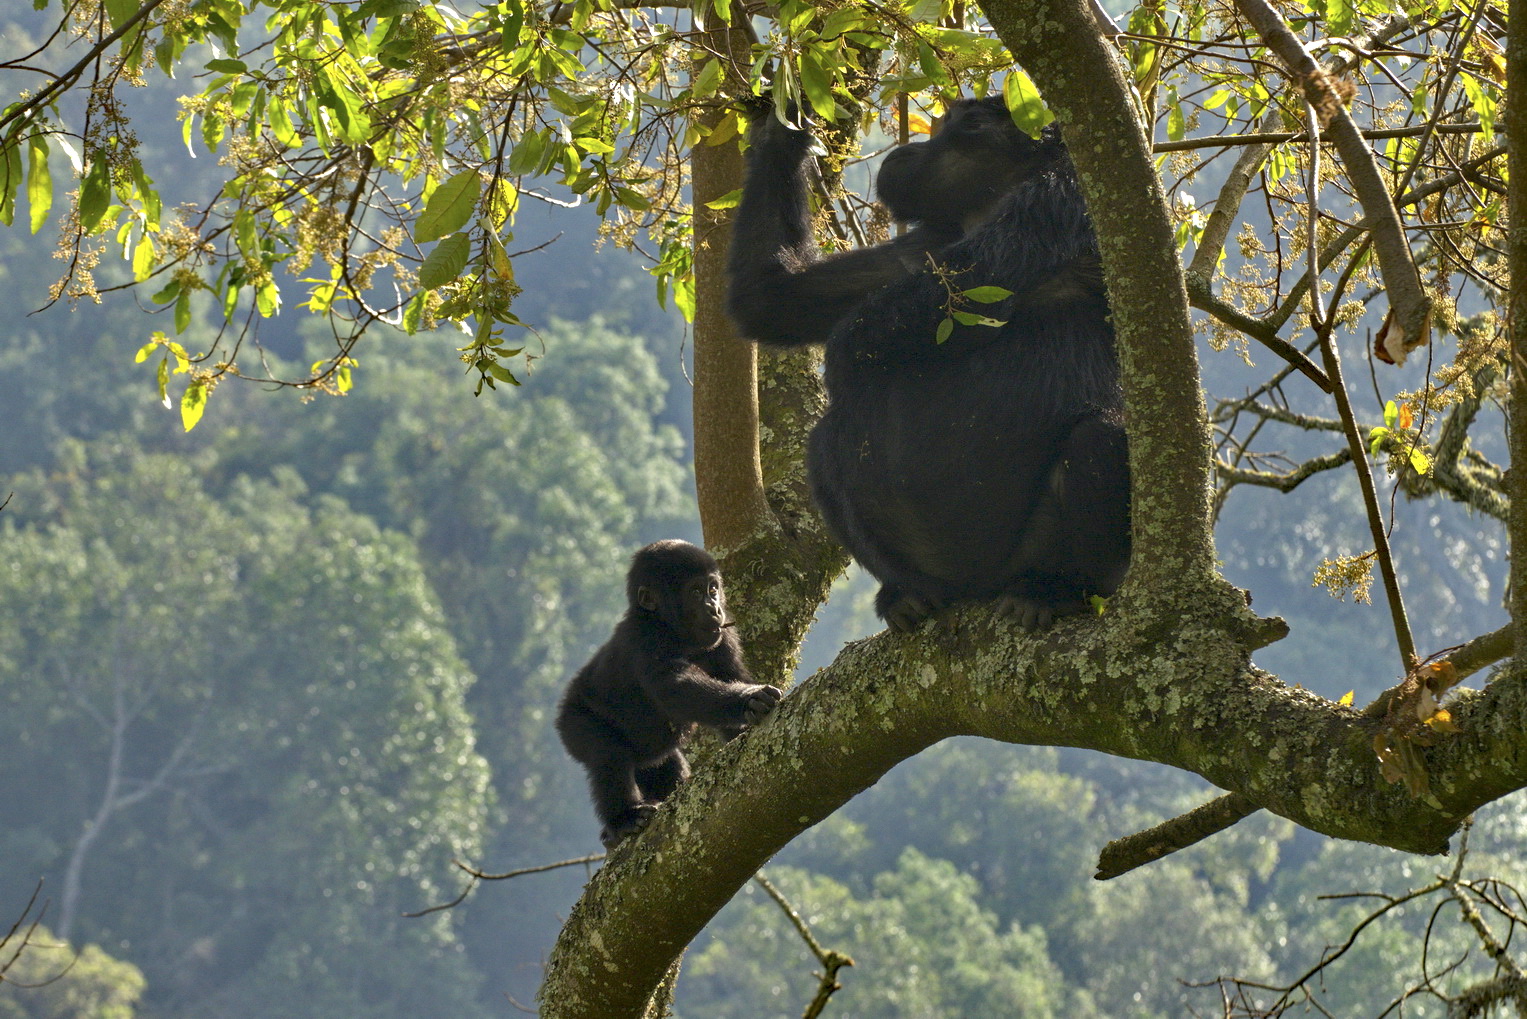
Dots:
(646, 598)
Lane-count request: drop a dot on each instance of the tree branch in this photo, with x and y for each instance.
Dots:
(831, 960)
(1177, 688)
(1515, 124)
(1410, 306)
(1123, 855)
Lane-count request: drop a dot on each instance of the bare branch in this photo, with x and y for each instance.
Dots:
(478, 875)
(1410, 306)
(1123, 855)
(831, 960)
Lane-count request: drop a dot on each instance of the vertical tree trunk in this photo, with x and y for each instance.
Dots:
(728, 473)
(1083, 82)
(1516, 253)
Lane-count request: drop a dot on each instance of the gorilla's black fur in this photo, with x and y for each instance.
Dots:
(993, 465)
(673, 661)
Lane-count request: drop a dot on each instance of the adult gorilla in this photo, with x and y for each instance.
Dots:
(992, 465)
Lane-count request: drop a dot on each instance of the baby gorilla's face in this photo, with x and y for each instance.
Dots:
(702, 612)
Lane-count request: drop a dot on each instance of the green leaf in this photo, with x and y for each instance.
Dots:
(1176, 121)
(182, 311)
(945, 330)
(446, 261)
(247, 235)
(526, 156)
(193, 403)
(817, 83)
(1339, 16)
(633, 199)
(970, 318)
(928, 60)
(987, 295)
(449, 208)
(928, 12)
(39, 181)
(143, 258)
(730, 200)
(1024, 103)
(840, 21)
(413, 314)
(501, 373)
(1391, 413)
(707, 80)
(121, 11)
(1376, 439)
(268, 299)
(12, 175)
(162, 378)
(224, 65)
(279, 119)
(95, 195)
(684, 296)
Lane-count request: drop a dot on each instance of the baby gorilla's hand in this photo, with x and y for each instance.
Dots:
(761, 701)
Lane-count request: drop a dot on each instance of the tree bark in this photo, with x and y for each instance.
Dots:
(729, 476)
(1515, 124)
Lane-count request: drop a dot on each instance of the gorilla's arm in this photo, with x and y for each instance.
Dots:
(684, 692)
(782, 290)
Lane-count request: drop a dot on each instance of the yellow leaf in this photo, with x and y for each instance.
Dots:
(918, 124)
(1442, 721)
(192, 403)
(1346, 698)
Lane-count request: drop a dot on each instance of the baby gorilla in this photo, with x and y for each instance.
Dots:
(673, 662)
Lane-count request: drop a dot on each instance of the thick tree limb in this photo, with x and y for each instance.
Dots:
(732, 500)
(1174, 688)
(1084, 84)
(1123, 855)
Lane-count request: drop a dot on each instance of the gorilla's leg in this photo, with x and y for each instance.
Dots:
(1077, 542)
(1095, 516)
(611, 767)
(906, 596)
(657, 781)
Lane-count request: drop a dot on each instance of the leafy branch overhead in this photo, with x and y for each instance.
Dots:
(374, 156)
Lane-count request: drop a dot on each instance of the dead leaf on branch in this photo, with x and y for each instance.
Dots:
(1415, 718)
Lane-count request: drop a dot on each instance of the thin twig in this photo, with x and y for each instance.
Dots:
(831, 960)
(478, 875)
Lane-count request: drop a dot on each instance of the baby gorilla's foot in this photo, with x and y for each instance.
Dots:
(628, 823)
